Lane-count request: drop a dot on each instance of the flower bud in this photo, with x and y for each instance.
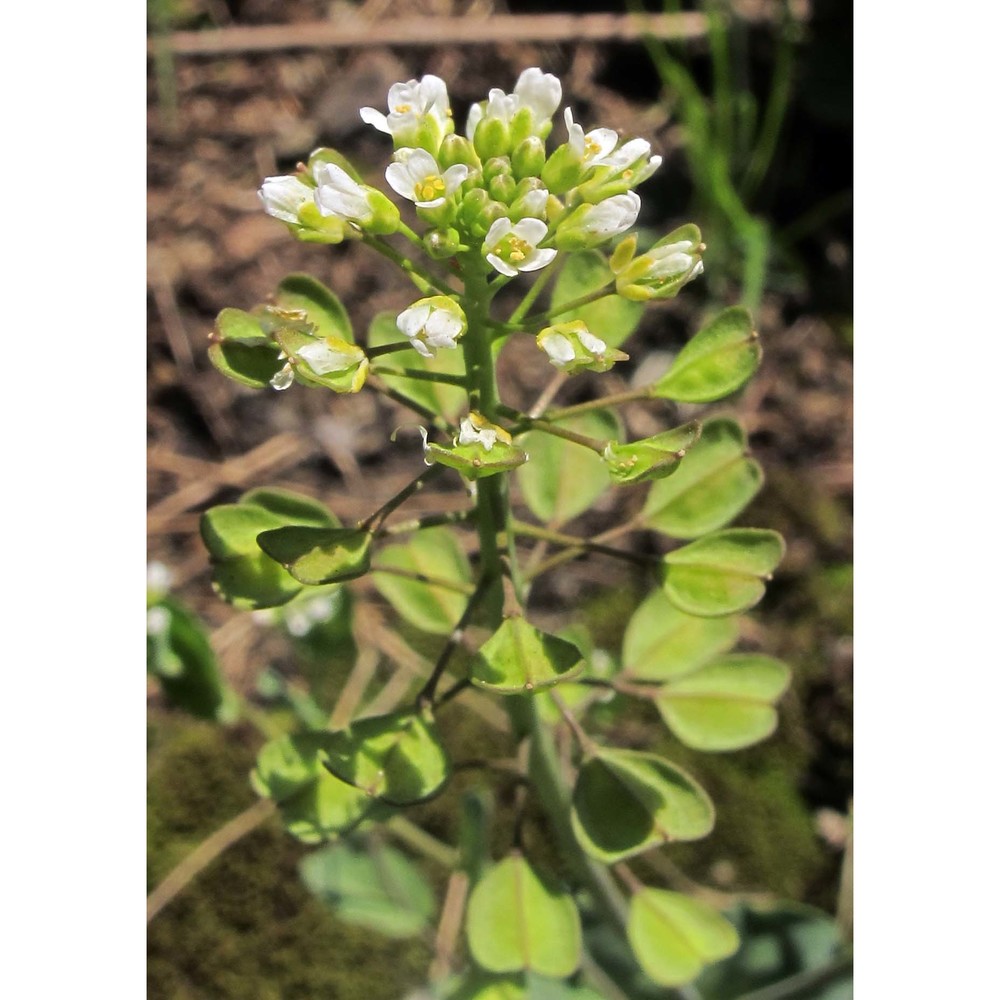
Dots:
(443, 243)
(572, 348)
(478, 212)
(562, 170)
(502, 188)
(496, 166)
(665, 268)
(492, 138)
(528, 158)
(532, 203)
(457, 149)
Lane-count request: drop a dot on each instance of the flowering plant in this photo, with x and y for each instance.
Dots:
(505, 203)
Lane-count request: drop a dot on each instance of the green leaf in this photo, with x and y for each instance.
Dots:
(239, 327)
(449, 400)
(717, 361)
(651, 458)
(712, 485)
(243, 574)
(515, 921)
(313, 803)
(322, 308)
(252, 366)
(563, 479)
(319, 555)
(180, 656)
(434, 553)
(612, 318)
(662, 642)
(726, 705)
(518, 658)
(397, 758)
(674, 937)
(627, 801)
(380, 889)
(721, 573)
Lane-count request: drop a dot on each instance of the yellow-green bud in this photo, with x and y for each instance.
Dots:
(528, 158)
(457, 149)
(443, 243)
(562, 170)
(496, 166)
(665, 268)
(502, 188)
(492, 138)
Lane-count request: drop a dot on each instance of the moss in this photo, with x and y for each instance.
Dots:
(246, 927)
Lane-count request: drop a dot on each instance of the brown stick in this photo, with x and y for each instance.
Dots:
(434, 31)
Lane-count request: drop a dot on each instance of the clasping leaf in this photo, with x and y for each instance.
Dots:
(518, 659)
(318, 556)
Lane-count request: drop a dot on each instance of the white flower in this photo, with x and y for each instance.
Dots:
(330, 355)
(558, 348)
(673, 260)
(338, 194)
(432, 323)
(512, 247)
(416, 175)
(412, 105)
(283, 197)
(572, 348)
(538, 92)
(476, 429)
(592, 148)
(628, 162)
(590, 225)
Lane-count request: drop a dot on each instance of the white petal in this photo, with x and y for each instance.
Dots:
(532, 230)
(500, 228)
(282, 197)
(442, 328)
(605, 139)
(400, 180)
(537, 259)
(433, 96)
(324, 359)
(372, 117)
(534, 202)
(558, 348)
(475, 117)
(501, 265)
(453, 178)
(411, 321)
(421, 348)
(591, 343)
(539, 91)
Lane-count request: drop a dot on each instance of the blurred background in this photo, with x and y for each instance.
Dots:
(750, 105)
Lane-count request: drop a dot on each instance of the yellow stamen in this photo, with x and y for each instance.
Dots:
(517, 249)
(429, 188)
(590, 148)
(402, 109)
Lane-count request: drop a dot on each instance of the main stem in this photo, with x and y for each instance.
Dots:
(494, 515)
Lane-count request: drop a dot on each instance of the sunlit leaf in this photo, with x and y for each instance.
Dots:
(515, 921)
(562, 479)
(717, 361)
(322, 308)
(397, 758)
(518, 658)
(319, 555)
(711, 486)
(722, 573)
(674, 937)
(727, 704)
(435, 554)
(662, 642)
(627, 801)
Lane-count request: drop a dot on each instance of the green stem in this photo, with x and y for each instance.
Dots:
(524, 423)
(583, 544)
(419, 840)
(424, 521)
(615, 399)
(377, 352)
(375, 520)
(431, 581)
(541, 318)
(423, 279)
(544, 277)
(421, 376)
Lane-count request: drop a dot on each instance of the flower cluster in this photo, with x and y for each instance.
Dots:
(508, 194)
